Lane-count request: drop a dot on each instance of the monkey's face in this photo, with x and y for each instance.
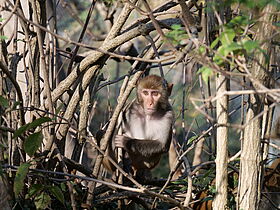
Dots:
(150, 100)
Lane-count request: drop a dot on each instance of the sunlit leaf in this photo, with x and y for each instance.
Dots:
(227, 36)
(206, 72)
(190, 140)
(176, 27)
(42, 201)
(201, 50)
(250, 45)
(215, 42)
(19, 178)
(3, 37)
(32, 143)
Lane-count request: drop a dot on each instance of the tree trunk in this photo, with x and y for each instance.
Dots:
(249, 180)
(220, 200)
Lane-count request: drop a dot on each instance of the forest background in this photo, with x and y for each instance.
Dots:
(68, 67)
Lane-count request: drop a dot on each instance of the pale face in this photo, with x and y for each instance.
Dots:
(150, 100)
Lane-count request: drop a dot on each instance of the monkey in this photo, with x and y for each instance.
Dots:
(147, 126)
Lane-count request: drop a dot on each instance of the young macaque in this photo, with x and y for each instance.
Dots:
(147, 125)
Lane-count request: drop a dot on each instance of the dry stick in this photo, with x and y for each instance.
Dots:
(48, 93)
(83, 117)
(10, 16)
(75, 98)
(166, 6)
(142, 188)
(117, 26)
(156, 24)
(187, 16)
(43, 66)
(189, 191)
(120, 131)
(119, 107)
(75, 51)
(121, 38)
(128, 176)
(85, 80)
(17, 87)
(111, 126)
(180, 159)
(74, 14)
(95, 56)
(92, 70)
(150, 39)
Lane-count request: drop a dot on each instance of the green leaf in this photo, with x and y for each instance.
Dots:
(3, 37)
(4, 102)
(20, 176)
(206, 72)
(176, 27)
(277, 24)
(20, 131)
(42, 201)
(239, 21)
(1, 19)
(250, 45)
(16, 104)
(34, 189)
(227, 36)
(56, 191)
(63, 187)
(31, 125)
(212, 189)
(215, 42)
(190, 140)
(201, 50)
(32, 143)
(38, 122)
(176, 34)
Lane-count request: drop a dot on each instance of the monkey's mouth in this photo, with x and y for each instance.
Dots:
(150, 110)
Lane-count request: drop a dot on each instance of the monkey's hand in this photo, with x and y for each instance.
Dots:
(120, 141)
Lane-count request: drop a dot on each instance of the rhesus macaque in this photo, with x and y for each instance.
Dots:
(147, 125)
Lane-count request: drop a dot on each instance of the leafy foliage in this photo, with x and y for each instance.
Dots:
(4, 102)
(176, 34)
(33, 142)
(31, 125)
(20, 177)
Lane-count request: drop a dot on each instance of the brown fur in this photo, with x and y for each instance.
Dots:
(157, 83)
(144, 153)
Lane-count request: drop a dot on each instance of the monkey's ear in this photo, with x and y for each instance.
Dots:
(169, 88)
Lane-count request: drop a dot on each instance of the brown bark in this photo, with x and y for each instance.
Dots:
(220, 199)
(249, 180)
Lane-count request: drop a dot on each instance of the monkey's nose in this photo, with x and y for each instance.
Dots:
(151, 103)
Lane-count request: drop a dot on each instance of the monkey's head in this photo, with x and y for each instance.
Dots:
(152, 94)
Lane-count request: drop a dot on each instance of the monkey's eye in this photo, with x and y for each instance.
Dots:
(145, 92)
(155, 93)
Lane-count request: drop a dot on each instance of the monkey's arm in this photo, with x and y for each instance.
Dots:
(146, 148)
